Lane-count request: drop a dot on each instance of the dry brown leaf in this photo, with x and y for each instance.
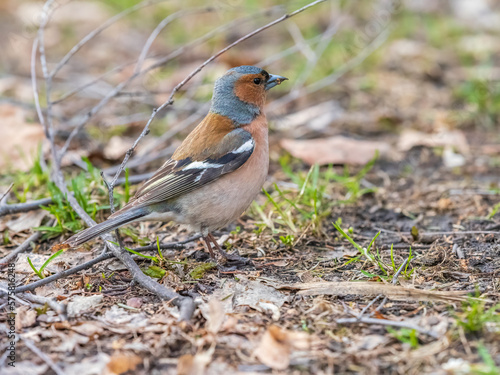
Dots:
(453, 138)
(134, 302)
(120, 363)
(194, 365)
(277, 344)
(216, 316)
(27, 221)
(23, 138)
(394, 292)
(25, 318)
(334, 150)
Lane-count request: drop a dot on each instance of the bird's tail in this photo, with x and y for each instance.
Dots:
(104, 227)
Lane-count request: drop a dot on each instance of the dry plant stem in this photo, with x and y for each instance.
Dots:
(59, 308)
(8, 209)
(99, 30)
(394, 282)
(31, 346)
(62, 274)
(398, 272)
(4, 195)
(100, 258)
(385, 322)
(117, 88)
(327, 81)
(164, 60)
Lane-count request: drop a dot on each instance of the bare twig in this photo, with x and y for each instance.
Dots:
(327, 81)
(396, 275)
(99, 30)
(178, 52)
(360, 315)
(185, 304)
(4, 195)
(118, 88)
(388, 323)
(466, 232)
(31, 346)
(59, 308)
(8, 209)
(100, 258)
(20, 249)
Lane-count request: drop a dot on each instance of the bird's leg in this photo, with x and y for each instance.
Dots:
(234, 257)
(206, 240)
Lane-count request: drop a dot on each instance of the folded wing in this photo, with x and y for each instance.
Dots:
(177, 177)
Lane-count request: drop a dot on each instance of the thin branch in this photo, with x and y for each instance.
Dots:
(391, 323)
(466, 232)
(185, 304)
(100, 258)
(327, 81)
(162, 61)
(4, 195)
(65, 273)
(118, 88)
(59, 308)
(396, 275)
(20, 249)
(99, 30)
(360, 315)
(9, 209)
(31, 346)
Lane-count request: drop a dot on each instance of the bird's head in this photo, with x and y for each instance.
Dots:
(240, 94)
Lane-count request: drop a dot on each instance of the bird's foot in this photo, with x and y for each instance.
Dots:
(235, 258)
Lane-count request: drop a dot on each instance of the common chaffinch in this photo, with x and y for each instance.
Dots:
(216, 172)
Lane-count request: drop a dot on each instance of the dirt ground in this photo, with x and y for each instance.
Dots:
(322, 296)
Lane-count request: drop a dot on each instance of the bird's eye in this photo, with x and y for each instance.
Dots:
(257, 81)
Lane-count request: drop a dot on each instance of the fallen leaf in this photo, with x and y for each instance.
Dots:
(120, 363)
(134, 302)
(259, 297)
(194, 365)
(25, 317)
(394, 292)
(88, 365)
(23, 138)
(89, 329)
(313, 118)
(27, 221)
(277, 344)
(117, 147)
(453, 138)
(451, 159)
(216, 316)
(368, 342)
(79, 304)
(125, 318)
(334, 150)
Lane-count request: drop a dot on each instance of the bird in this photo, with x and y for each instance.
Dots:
(216, 172)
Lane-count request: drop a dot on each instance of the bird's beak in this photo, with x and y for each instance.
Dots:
(274, 80)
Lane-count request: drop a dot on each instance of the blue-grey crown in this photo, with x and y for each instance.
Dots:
(246, 69)
(226, 103)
